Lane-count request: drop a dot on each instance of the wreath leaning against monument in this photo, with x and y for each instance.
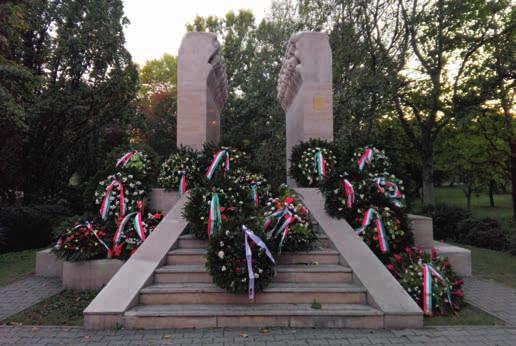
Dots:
(312, 161)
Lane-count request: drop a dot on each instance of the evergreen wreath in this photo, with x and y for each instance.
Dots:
(446, 286)
(226, 258)
(303, 164)
(237, 159)
(133, 191)
(368, 159)
(234, 199)
(287, 215)
(82, 241)
(184, 161)
(134, 162)
(259, 188)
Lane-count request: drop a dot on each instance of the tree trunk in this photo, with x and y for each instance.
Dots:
(468, 200)
(491, 193)
(513, 177)
(427, 174)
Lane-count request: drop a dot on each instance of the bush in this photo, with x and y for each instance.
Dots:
(512, 244)
(446, 219)
(28, 227)
(485, 233)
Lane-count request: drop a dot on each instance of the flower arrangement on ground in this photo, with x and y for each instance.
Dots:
(239, 259)
(429, 280)
(287, 223)
(312, 161)
(180, 171)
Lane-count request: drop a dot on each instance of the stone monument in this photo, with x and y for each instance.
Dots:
(305, 89)
(202, 90)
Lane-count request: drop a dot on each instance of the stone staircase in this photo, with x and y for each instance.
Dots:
(182, 295)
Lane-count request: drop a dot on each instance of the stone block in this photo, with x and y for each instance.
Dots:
(163, 200)
(423, 229)
(459, 258)
(48, 264)
(89, 275)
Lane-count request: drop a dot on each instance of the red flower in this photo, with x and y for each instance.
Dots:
(397, 257)
(434, 254)
(238, 270)
(408, 250)
(458, 293)
(458, 282)
(390, 267)
(157, 216)
(446, 264)
(289, 200)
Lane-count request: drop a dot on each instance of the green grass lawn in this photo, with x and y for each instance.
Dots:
(479, 202)
(63, 309)
(16, 265)
(469, 315)
(495, 265)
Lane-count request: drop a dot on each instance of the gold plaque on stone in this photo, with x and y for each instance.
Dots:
(318, 102)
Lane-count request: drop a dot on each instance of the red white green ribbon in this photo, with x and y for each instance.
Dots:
(105, 205)
(217, 159)
(137, 223)
(393, 193)
(254, 194)
(427, 290)
(370, 216)
(126, 158)
(249, 255)
(350, 193)
(284, 229)
(320, 164)
(182, 183)
(366, 158)
(214, 217)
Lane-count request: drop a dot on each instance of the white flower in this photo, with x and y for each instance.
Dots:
(221, 244)
(221, 254)
(260, 270)
(256, 275)
(223, 268)
(227, 232)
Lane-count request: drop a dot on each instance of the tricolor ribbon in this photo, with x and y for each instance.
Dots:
(254, 194)
(137, 223)
(370, 216)
(217, 158)
(249, 255)
(350, 193)
(320, 164)
(366, 158)
(428, 272)
(182, 183)
(126, 158)
(393, 194)
(105, 205)
(214, 217)
(284, 229)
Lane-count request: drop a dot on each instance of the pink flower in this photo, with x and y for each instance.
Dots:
(397, 257)
(408, 250)
(434, 254)
(458, 293)
(390, 267)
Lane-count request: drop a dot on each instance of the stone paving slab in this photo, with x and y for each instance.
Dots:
(474, 335)
(493, 297)
(22, 294)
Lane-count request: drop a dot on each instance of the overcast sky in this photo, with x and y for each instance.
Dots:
(157, 26)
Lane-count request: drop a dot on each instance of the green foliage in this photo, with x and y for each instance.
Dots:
(184, 160)
(486, 233)
(226, 258)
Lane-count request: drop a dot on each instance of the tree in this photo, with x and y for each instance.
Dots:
(157, 101)
(82, 83)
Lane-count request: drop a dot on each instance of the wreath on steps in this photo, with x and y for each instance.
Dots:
(239, 257)
(312, 161)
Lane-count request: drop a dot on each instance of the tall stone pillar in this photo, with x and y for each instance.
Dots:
(305, 89)
(202, 90)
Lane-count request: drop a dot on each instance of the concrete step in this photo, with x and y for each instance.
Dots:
(258, 315)
(198, 256)
(329, 273)
(276, 293)
(188, 241)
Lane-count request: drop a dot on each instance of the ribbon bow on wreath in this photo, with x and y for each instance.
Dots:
(249, 255)
(182, 183)
(428, 272)
(366, 158)
(369, 216)
(254, 193)
(214, 216)
(126, 158)
(284, 218)
(106, 201)
(393, 192)
(217, 158)
(320, 164)
(350, 192)
(137, 224)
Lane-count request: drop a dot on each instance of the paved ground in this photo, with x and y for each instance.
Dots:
(495, 298)
(469, 336)
(24, 293)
